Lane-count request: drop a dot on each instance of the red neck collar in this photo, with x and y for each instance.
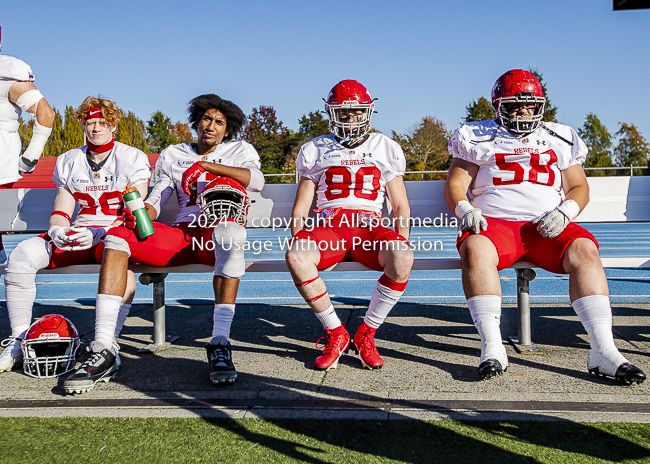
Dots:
(101, 148)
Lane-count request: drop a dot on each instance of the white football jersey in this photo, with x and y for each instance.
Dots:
(12, 70)
(176, 159)
(99, 194)
(351, 177)
(519, 177)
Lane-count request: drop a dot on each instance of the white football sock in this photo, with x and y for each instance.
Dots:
(382, 301)
(21, 293)
(222, 320)
(595, 314)
(107, 309)
(329, 319)
(486, 314)
(121, 318)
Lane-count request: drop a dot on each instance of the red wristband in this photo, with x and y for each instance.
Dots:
(61, 213)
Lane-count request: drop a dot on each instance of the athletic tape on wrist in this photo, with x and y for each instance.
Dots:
(462, 208)
(61, 213)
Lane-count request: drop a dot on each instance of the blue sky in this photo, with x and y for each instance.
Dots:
(417, 57)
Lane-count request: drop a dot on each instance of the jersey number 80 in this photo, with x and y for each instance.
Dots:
(347, 187)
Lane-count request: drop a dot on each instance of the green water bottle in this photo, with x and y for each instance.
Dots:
(133, 201)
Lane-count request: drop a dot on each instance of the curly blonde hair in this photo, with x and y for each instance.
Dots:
(109, 110)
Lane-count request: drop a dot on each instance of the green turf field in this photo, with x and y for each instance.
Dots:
(223, 440)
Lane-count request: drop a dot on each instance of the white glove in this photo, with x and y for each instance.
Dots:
(471, 218)
(552, 223)
(25, 165)
(86, 237)
(60, 238)
(35, 148)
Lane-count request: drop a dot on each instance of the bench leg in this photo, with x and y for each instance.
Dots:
(160, 339)
(523, 343)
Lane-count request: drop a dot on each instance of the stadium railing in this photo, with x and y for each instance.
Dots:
(613, 199)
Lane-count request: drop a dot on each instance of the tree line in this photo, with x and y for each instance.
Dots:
(424, 144)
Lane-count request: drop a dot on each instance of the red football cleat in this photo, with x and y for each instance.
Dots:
(364, 344)
(338, 341)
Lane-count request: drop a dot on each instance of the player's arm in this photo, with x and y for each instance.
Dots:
(459, 178)
(396, 191)
(302, 203)
(461, 175)
(63, 203)
(575, 186)
(29, 98)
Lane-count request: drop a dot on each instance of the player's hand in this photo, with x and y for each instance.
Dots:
(60, 237)
(552, 223)
(471, 218)
(128, 219)
(190, 176)
(81, 238)
(26, 166)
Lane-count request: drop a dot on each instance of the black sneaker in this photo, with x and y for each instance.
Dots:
(98, 367)
(222, 370)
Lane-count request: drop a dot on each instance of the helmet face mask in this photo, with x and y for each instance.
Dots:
(515, 89)
(224, 199)
(350, 109)
(50, 347)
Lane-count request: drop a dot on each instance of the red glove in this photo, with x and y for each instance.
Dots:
(128, 219)
(190, 177)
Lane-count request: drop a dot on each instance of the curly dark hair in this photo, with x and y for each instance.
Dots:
(235, 117)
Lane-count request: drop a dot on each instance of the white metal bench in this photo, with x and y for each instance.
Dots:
(613, 199)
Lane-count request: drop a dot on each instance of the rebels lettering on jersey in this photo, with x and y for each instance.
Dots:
(99, 194)
(351, 178)
(519, 177)
(176, 159)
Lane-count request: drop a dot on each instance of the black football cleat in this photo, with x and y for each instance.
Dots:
(98, 367)
(490, 368)
(222, 370)
(625, 373)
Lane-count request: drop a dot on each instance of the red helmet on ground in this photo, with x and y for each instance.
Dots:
(345, 97)
(50, 347)
(224, 199)
(518, 86)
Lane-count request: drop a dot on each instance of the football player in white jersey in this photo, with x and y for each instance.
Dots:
(350, 172)
(184, 170)
(94, 177)
(517, 184)
(18, 93)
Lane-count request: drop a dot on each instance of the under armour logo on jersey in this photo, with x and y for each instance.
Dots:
(367, 155)
(108, 178)
(541, 142)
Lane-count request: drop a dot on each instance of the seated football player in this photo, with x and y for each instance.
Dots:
(517, 184)
(184, 169)
(17, 94)
(93, 176)
(350, 172)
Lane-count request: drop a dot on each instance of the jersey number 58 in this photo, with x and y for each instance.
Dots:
(520, 173)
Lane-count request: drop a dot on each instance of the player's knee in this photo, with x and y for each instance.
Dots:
(29, 256)
(228, 234)
(477, 249)
(117, 242)
(580, 253)
(298, 255)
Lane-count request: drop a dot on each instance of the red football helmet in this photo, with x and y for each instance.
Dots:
(347, 96)
(50, 347)
(224, 199)
(518, 86)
